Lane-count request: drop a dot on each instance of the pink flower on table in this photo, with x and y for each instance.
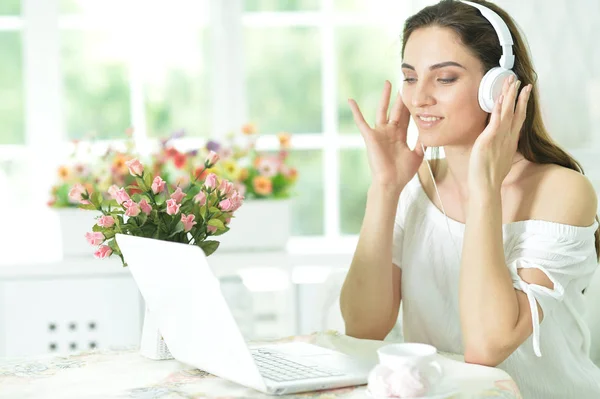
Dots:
(178, 195)
(105, 221)
(226, 205)
(240, 188)
(122, 196)
(200, 198)
(211, 181)
(212, 158)
(172, 207)
(145, 206)
(211, 229)
(132, 209)
(135, 167)
(188, 222)
(76, 193)
(112, 191)
(94, 238)
(158, 185)
(102, 252)
(237, 199)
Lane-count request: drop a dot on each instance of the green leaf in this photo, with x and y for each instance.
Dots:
(142, 218)
(221, 232)
(178, 229)
(89, 207)
(148, 180)
(96, 199)
(209, 246)
(216, 223)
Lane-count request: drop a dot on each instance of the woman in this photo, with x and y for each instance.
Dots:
(500, 279)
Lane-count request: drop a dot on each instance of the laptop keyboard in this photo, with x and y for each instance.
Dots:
(276, 367)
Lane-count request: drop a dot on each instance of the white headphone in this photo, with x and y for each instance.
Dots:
(490, 87)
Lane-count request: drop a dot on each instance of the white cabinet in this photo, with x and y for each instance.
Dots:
(69, 314)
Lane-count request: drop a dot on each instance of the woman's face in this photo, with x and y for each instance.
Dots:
(441, 83)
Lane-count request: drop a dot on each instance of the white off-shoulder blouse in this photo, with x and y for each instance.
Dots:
(554, 362)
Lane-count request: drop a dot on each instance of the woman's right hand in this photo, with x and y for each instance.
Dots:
(393, 164)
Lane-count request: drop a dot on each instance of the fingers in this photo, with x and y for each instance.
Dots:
(420, 148)
(510, 90)
(359, 120)
(381, 117)
(400, 115)
(521, 110)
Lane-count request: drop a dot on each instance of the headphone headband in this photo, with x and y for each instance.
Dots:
(507, 61)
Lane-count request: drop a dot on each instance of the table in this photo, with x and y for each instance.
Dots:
(126, 374)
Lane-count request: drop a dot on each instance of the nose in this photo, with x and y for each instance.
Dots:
(422, 95)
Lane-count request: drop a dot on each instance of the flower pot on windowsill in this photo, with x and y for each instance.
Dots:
(74, 223)
(259, 225)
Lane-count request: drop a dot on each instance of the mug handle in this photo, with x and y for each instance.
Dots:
(438, 368)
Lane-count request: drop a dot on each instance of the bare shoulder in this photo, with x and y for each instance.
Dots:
(561, 195)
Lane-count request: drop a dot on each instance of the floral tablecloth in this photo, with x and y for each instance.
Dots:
(127, 374)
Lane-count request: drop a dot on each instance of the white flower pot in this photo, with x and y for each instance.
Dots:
(152, 345)
(74, 223)
(258, 225)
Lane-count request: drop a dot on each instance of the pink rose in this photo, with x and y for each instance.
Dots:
(76, 192)
(212, 158)
(240, 188)
(158, 185)
(145, 206)
(211, 229)
(112, 191)
(178, 195)
(132, 209)
(225, 187)
(106, 221)
(188, 222)
(102, 252)
(211, 181)
(122, 196)
(135, 167)
(226, 205)
(172, 207)
(94, 238)
(200, 198)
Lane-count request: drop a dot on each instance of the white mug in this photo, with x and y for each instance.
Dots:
(412, 356)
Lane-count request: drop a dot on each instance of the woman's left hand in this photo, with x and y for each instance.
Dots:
(493, 152)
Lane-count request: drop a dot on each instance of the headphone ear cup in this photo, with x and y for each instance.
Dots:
(490, 87)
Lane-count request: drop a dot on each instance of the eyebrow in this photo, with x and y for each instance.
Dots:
(436, 66)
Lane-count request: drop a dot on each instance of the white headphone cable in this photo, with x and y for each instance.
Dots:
(441, 203)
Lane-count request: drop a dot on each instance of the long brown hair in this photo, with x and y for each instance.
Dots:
(478, 35)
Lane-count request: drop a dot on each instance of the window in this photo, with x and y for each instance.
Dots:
(284, 65)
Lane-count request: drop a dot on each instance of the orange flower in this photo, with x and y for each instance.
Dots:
(284, 139)
(64, 172)
(119, 166)
(249, 129)
(262, 185)
(243, 174)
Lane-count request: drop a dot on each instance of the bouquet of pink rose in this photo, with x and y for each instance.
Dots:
(149, 208)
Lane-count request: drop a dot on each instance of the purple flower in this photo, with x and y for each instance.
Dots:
(178, 134)
(213, 146)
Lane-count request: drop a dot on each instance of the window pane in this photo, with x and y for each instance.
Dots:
(96, 84)
(354, 181)
(284, 79)
(10, 7)
(12, 125)
(177, 83)
(307, 196)
(278, 5)
(366, 58)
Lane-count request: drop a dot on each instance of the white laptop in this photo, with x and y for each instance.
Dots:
(179, 287)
